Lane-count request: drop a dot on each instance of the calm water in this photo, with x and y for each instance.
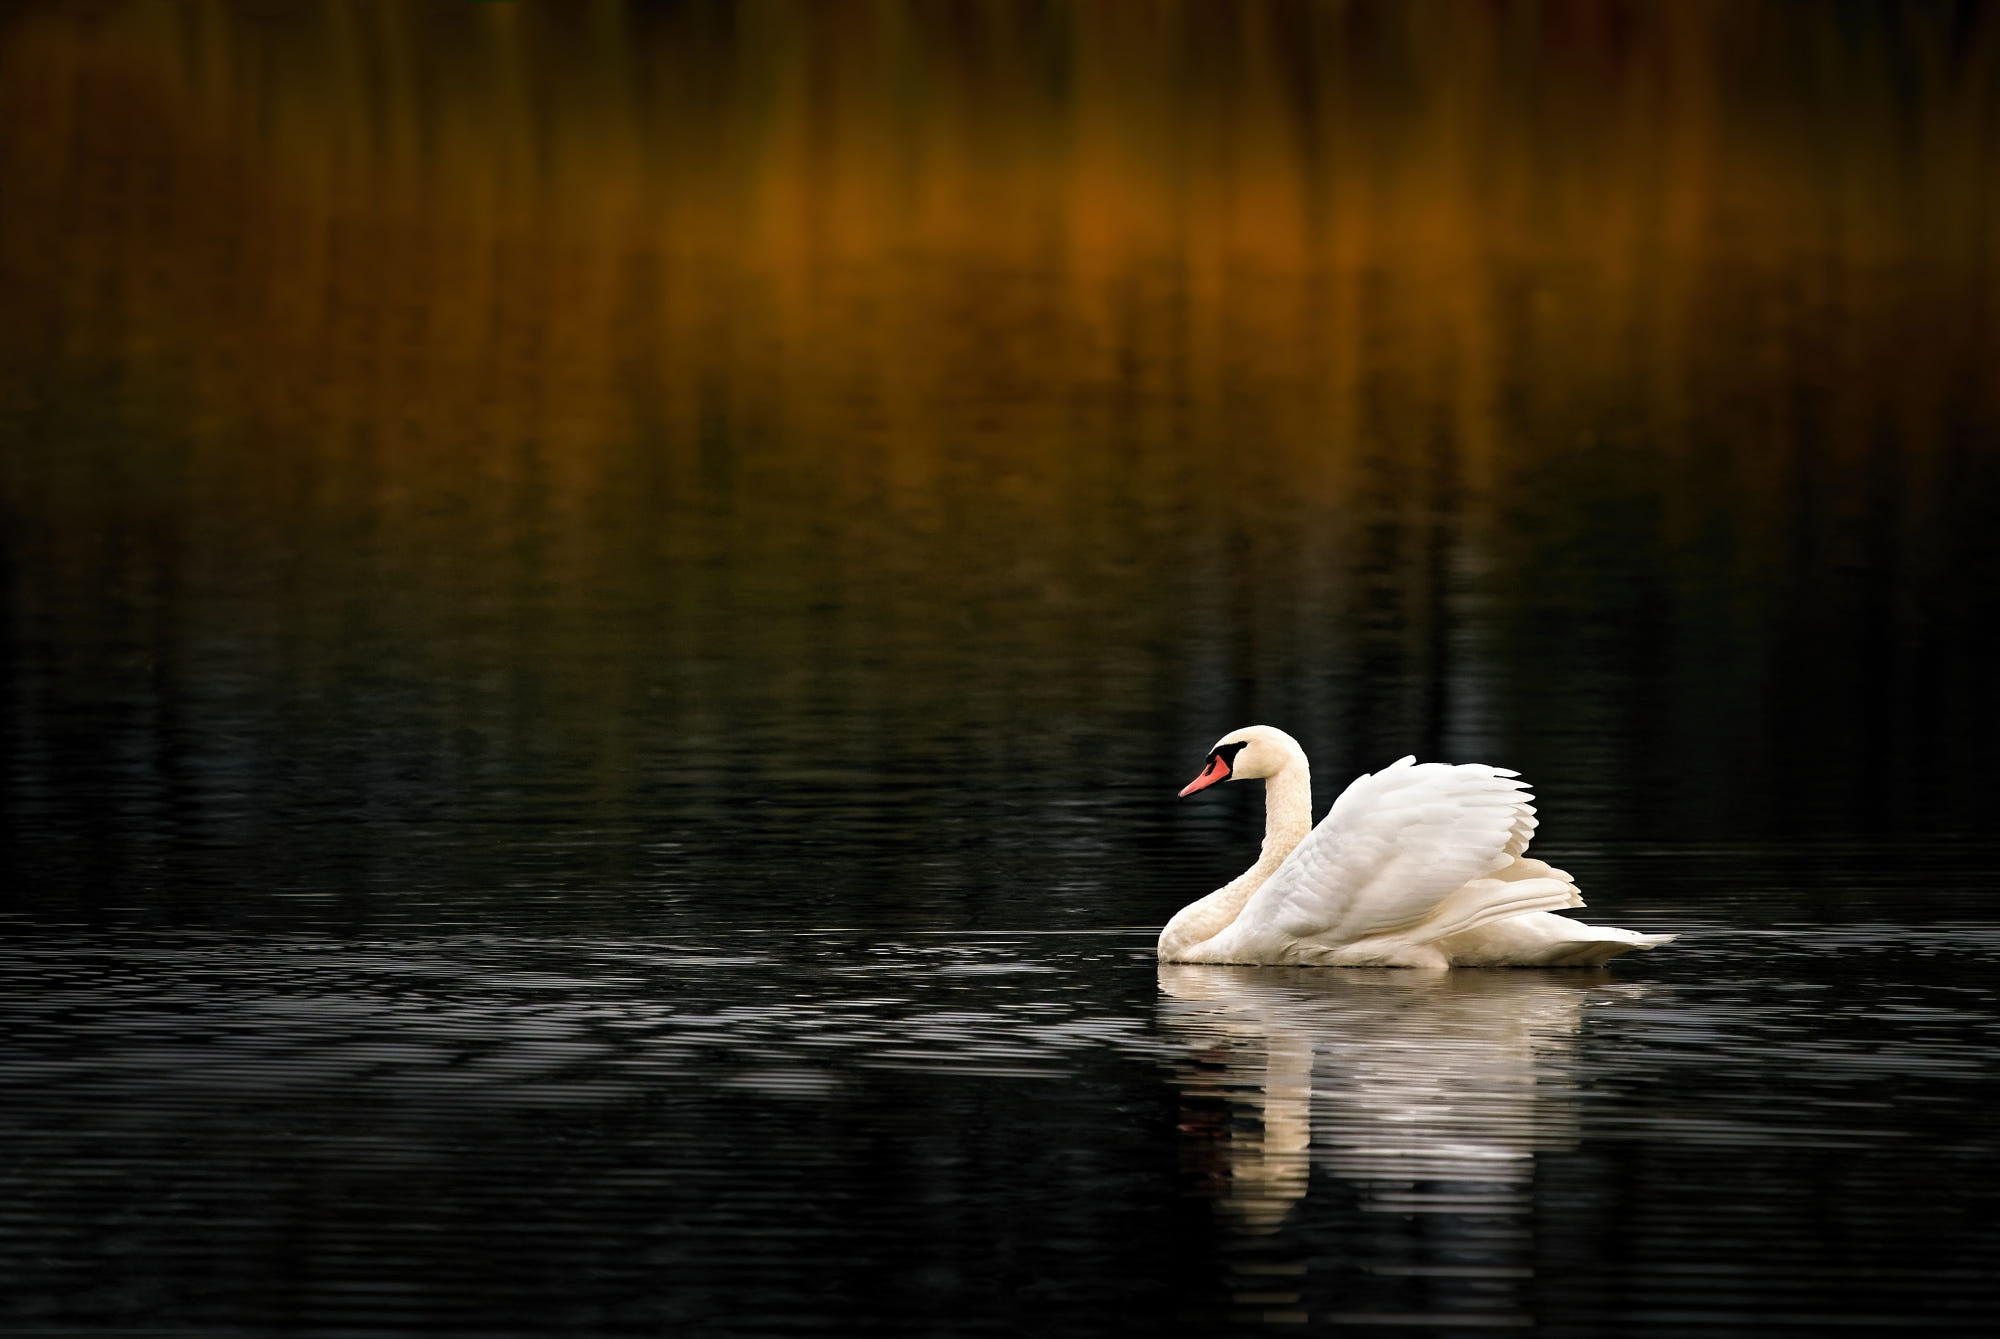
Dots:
(604, 607)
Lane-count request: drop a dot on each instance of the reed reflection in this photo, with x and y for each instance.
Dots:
(537, 390)
(1430, 1094)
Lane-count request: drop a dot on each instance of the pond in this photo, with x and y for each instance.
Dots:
(605, 607)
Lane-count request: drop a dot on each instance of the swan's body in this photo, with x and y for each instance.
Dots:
(1417, 865)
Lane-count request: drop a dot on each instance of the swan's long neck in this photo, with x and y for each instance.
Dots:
(1287, 820)
(1288, 815)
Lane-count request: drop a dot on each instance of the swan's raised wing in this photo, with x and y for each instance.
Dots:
(1420, 849)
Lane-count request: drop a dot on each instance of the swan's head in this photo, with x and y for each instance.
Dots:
(1242, 755)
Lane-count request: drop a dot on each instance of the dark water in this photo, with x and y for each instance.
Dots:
(603, 608)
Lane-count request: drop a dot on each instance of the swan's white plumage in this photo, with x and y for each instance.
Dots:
(1417, 865)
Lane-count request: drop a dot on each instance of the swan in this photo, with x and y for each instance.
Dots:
(1417, 865)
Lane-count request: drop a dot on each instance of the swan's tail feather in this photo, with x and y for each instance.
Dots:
(1603, 950)
(1606, 943)
(1544, 940)
(1495, 898)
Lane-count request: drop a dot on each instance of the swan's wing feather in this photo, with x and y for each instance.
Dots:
(1396, 844)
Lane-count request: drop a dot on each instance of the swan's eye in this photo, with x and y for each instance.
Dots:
(1228, 752)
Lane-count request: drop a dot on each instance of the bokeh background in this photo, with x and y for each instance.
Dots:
(662, 409)
(640, 470)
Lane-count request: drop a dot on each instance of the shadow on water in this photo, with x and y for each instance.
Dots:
(788, 491)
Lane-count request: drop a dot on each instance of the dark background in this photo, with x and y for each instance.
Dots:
(485, 484)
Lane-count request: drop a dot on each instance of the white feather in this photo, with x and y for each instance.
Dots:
(1412, 866)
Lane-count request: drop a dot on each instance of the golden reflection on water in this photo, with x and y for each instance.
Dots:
(471, 225)
(1019, 336)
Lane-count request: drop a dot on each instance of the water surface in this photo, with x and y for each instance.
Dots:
(604, 606)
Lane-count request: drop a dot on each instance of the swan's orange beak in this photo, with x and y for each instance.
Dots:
(1217, 770)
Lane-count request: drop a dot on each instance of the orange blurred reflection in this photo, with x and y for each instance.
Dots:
(964, 307)
(472, 224)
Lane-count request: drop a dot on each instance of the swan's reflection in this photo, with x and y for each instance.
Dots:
(1425, 1089)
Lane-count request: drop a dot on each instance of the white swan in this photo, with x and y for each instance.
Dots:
(1417, 865)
